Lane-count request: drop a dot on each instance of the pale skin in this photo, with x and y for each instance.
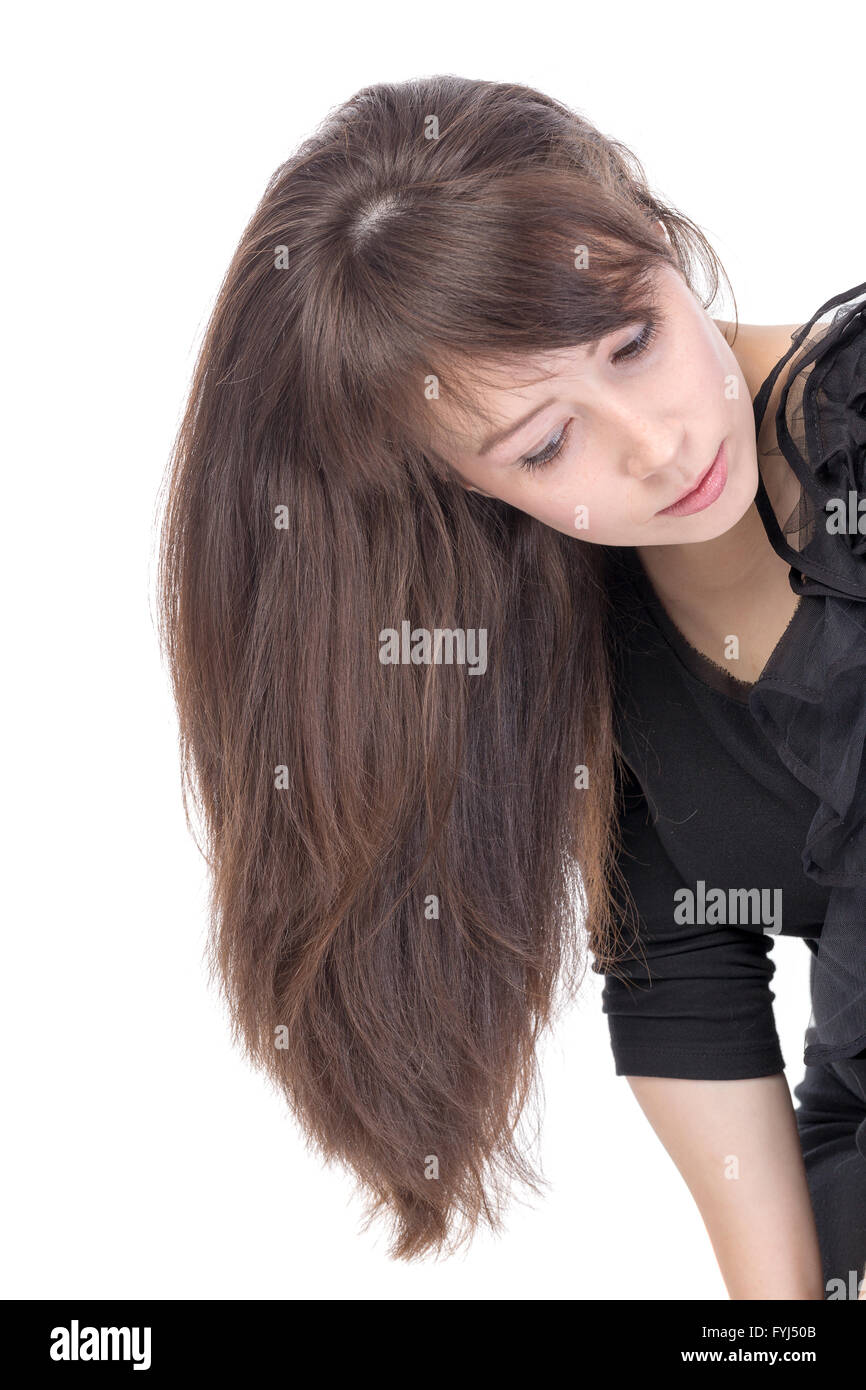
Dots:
(640, 432)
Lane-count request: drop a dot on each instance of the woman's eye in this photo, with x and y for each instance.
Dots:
(550, 451)
(554, 448)
(638, 344)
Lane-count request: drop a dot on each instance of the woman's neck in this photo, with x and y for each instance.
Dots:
(734, 568)
(719, 571)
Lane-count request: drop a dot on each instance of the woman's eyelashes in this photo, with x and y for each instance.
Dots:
(638, 344)
(549, 452)
(555, 446)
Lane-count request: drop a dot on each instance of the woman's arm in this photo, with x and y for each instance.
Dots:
(736, 1145)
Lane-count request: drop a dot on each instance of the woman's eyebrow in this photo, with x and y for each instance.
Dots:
(501, 435)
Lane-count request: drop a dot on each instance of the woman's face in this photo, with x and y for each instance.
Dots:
(625, 428)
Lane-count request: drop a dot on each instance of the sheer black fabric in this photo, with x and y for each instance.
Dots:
(785, 757)
(810, 701)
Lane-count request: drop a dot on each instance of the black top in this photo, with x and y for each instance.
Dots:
(734, 787)
(706, 799)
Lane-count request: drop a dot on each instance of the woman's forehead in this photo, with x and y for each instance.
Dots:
(475, 396)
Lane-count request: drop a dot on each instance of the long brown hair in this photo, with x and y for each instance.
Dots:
(405, 862)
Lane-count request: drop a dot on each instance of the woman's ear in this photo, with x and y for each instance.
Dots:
(470, 487)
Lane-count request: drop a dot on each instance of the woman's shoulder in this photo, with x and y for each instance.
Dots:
(757, 347)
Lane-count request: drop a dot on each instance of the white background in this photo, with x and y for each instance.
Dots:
(141, 1157)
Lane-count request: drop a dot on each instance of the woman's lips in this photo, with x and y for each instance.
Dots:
(707, 490)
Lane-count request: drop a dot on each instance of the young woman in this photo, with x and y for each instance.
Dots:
(477, 550)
